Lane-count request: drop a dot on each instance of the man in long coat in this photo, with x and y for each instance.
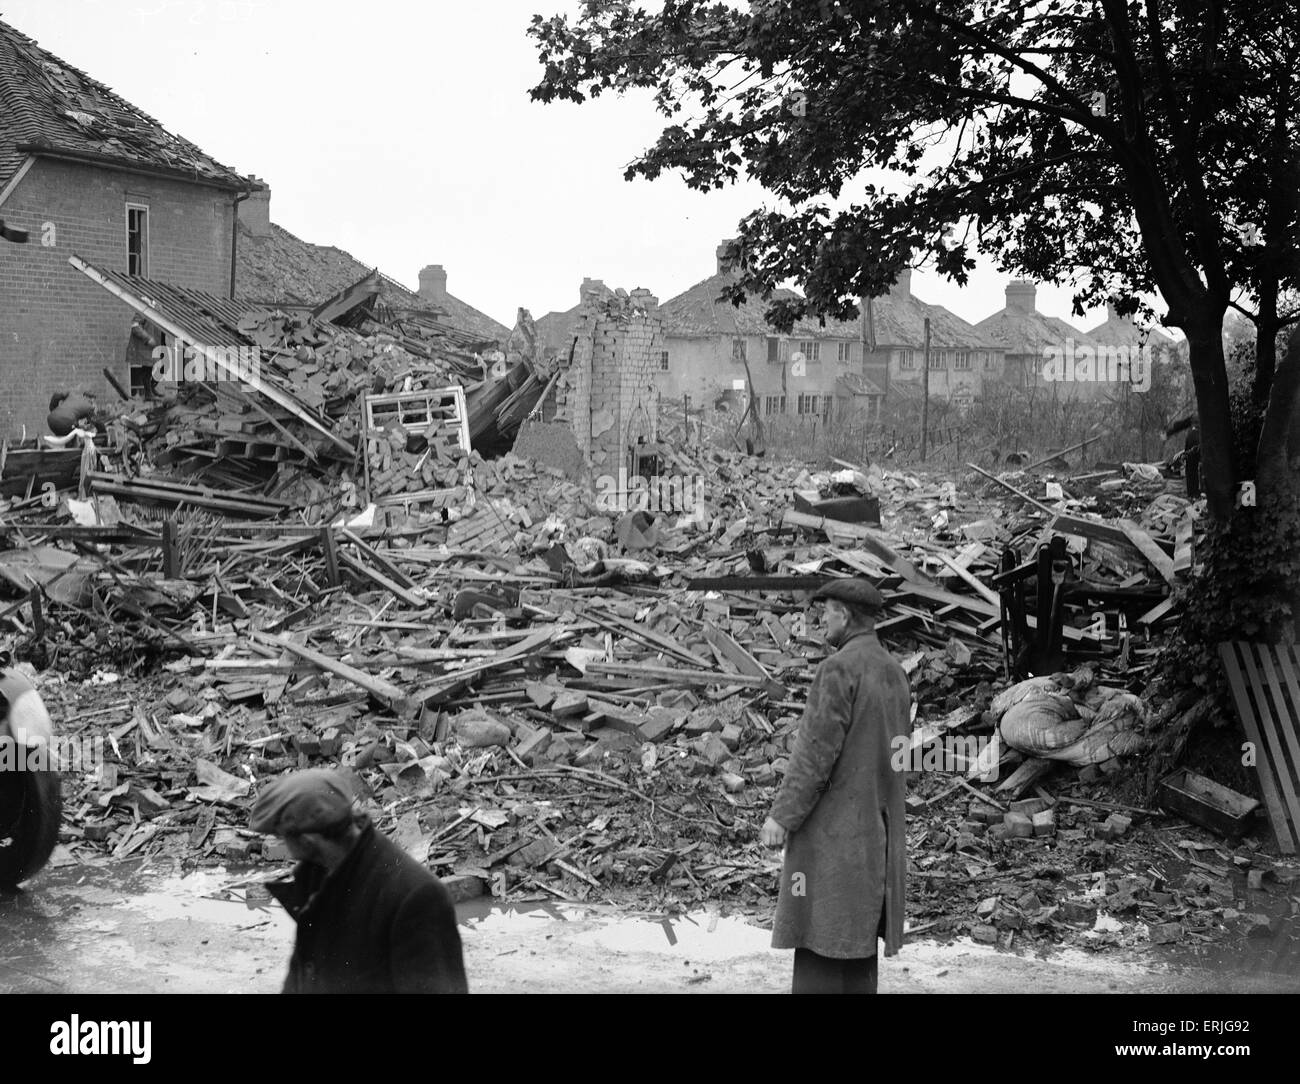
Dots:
(840, 810)
(371, 919)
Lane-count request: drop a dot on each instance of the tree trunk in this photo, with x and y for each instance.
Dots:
(1266, 327)
(1279, 437)
(1210, 378)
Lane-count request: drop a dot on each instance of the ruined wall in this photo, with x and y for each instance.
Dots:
(607, 395)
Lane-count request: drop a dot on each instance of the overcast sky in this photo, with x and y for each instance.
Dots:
(402, 132)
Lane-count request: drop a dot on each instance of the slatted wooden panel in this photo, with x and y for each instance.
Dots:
(1265, 683)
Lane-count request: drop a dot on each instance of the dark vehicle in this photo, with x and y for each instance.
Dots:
(31, 802)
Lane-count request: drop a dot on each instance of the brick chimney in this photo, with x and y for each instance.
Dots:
(433, 284)
(590, 286)
(902, 287)
(1021, 295)
(724, 265)
(255, 212)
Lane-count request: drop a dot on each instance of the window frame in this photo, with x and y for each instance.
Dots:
(144, 260)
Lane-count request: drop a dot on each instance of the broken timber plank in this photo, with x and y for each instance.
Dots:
(366, 572)
(385, 692)
(743, 660)
(1160, 561)
(1008, 486)
(969, 579)
(1277, 782)
(682, 677)
(869, 541)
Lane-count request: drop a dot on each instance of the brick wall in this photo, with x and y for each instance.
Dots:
(608, 394)
(58, 329)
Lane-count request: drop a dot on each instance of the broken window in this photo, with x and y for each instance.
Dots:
(738, 354)
(137, 240)
(773, 351)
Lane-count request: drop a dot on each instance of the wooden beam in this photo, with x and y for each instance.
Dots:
(385, 692)
(1160, 561)
(743, 660)
(1008, 486)
(671, 676)
(868, 538)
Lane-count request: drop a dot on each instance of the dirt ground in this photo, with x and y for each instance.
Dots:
(135, 927)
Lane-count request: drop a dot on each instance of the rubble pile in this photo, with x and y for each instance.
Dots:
(555, 690)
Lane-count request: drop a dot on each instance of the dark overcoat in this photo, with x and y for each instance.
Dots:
(842, 805)
(380, 923)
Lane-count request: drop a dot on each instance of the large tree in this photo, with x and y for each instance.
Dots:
(1120, 148)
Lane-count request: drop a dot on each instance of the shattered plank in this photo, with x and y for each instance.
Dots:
(385, 692)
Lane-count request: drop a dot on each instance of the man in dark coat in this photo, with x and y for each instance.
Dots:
(840, 810)
(371, 920)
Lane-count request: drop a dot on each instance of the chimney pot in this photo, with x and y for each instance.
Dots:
(902, 287)
(433, 284)
(1021, 295)
(255, 211)
(724, 264)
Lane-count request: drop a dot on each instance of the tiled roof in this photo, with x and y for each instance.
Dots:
(461, 315)
(555, 329)
(700, 313)
(1020, 332)
(1121, 331)
(46, 104)
(899, 318)
(282, 269)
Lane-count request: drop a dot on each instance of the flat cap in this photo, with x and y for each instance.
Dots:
(856, 592)
(309, 801)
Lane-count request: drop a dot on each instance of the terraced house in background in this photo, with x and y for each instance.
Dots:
(1026, 336)
(818, 370)
(85, 172)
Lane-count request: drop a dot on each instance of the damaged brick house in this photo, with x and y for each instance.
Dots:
(87, 173)
(275, 267)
